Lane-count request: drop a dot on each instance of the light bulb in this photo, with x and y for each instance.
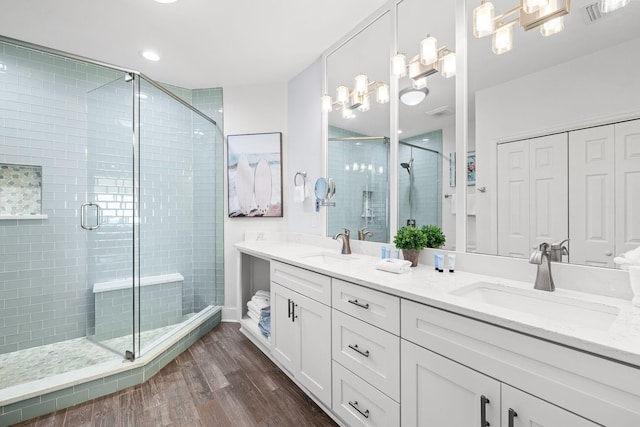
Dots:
(607, 6)
(502, 39)
(449, 64)
(483, 23)
(382, 93)
(326, 103)
(399, 65)
(365, 103)
(342, 94)
(362, 84)
(530, 6)
(420, 83)
(552, 27)
(429, 50)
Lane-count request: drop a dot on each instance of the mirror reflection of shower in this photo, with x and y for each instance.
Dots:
(409, 167)
(360, 166)
(420, 189)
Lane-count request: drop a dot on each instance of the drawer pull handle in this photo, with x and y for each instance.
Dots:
(355, 348)
(359, 304)
(354, 405)
(288, 308)
(483, 411)
(512, 415)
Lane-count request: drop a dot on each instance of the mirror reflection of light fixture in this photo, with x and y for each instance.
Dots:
(546, 14)
(428, 61)
(411, 96)
(347, 100)
(607, 6)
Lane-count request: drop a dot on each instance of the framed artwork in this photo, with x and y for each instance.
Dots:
(471, 168)
(254, 172)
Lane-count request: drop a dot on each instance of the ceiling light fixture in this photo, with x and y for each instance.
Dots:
(166, 1)
(150, 55)
(358, 98)
(412, 96)
(546, 14)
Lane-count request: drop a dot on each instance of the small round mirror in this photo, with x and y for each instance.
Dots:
(322, 188)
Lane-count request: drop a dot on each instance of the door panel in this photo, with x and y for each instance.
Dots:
(591, 196)
(627, 176)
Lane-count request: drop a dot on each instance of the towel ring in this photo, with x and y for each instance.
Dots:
(303, 174)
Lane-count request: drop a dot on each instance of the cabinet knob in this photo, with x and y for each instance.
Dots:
(608, 253)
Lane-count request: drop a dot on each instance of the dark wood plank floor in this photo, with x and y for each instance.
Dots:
(222, 380)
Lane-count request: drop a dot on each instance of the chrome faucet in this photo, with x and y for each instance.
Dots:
(542, 257)
(557, 250)
(346, 245)
(364, 233)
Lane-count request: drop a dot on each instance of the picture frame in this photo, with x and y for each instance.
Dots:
(471, 169)
(254, 175)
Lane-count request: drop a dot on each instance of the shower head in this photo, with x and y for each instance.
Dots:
(407, 166)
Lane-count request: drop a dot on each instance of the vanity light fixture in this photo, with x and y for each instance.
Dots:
(546, 14)
(358, 98)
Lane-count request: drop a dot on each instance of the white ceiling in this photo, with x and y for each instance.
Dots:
(202, 43)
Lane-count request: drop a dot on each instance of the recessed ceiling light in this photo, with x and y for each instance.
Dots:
(426, 140)
(166, 1)
(150, 55)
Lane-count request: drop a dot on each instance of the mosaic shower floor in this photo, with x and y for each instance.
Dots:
(41, 362)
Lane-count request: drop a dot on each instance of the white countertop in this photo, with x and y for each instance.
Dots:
(620, 342)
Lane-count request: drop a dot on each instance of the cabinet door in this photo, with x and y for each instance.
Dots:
(314, 320)
(591, 196)
(439, 392)
(627, 186)
(285, 333)
(520, 409)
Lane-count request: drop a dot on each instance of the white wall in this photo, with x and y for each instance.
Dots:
(251, 109)
(597, 88)
(304, 151)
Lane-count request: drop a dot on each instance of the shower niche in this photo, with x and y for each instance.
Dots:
(20, 192)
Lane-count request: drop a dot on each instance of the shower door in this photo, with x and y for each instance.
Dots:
(108, 213)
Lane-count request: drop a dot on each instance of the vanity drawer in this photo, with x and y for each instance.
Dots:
(377, 308)
(367, 351)
(360, 404)
(305, 282)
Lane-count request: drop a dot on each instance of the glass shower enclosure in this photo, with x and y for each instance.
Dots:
(110, 212)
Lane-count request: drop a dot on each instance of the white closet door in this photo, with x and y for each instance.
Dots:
(591, 196)
(627, 176)
(549, 189)
(513, 199)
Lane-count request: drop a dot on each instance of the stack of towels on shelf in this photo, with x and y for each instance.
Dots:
(259, 310)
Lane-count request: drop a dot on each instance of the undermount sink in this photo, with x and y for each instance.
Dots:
(328, 257)
(545, 305)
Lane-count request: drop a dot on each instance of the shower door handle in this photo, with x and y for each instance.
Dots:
(83, 215)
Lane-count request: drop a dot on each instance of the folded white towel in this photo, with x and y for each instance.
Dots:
(262, 293)
(253, 317)
(253, 308)
(260, 302)
(393, 265)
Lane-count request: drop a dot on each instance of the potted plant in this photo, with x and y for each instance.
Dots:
(411, 240)
(434, 236)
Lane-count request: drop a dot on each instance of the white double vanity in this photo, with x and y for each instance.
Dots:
(441, 349)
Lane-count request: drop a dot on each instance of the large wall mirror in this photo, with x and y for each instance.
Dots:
(426, 122)
(553, 142)
(358, 134)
